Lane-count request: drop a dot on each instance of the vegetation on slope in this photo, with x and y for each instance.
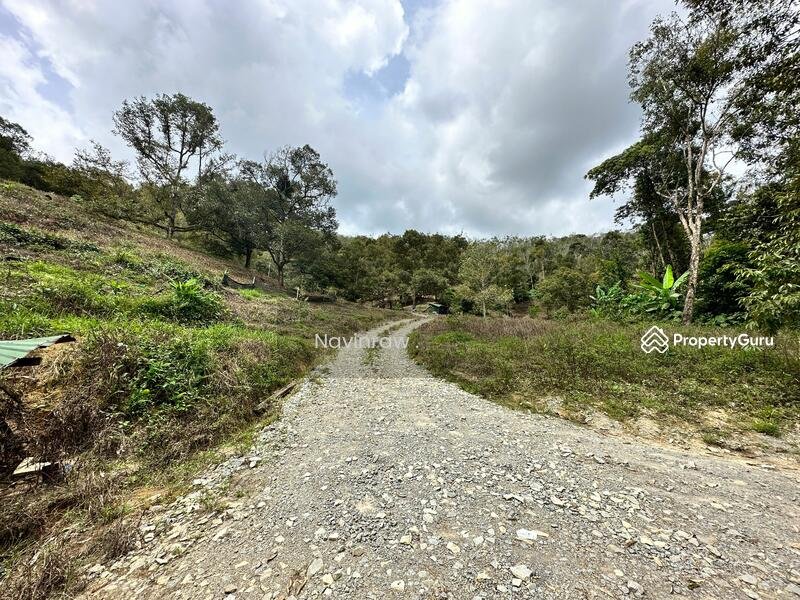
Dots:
(167, 365)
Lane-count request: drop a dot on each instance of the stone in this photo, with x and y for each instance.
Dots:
(314, 567)
(530, 534)
(521, 572)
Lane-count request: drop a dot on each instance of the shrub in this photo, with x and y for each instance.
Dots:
(566, 289)
(167, 376)
(187, 302)
(31, 238)
(719, 292)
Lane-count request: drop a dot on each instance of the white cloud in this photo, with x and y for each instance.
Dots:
(20, 100)
(507, 104)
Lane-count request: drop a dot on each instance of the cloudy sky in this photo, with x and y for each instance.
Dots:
(474, 116)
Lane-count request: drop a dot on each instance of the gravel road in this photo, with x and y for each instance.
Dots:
(381, 481)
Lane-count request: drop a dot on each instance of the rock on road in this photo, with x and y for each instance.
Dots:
(381, 481)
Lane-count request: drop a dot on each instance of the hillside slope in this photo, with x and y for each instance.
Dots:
(167, 367)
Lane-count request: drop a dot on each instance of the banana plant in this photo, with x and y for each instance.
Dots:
(662, 295)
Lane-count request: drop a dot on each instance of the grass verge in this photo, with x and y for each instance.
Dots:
(596, 365)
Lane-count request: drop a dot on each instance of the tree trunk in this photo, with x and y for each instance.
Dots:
(658, 245)
(279, 268)
(694, 268)
(248, 255)
(483, 306)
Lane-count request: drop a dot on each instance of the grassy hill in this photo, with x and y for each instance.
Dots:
(168, 369)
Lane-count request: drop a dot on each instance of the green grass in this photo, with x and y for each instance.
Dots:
(252, 294)
(168, 370)
(766, 427)
(599, 365)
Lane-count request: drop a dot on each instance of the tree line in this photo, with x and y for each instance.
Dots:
(717, 86)
(183, 181)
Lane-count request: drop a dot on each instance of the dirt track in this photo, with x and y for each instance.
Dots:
(382, 481)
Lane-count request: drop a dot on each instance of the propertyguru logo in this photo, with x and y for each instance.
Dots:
(656, 339)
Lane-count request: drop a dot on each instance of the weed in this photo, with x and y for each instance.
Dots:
(212, 503)
(187, 302)
(766, 427)
(371, 355)
(118, 538)
(715, 438)
(30, 238)
(251, 294)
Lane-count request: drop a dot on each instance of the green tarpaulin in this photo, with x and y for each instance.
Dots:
(12, 351)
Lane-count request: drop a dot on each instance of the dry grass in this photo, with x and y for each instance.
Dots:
(118, 538)
(49, 573)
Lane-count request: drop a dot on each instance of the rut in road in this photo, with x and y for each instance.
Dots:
(381, 481)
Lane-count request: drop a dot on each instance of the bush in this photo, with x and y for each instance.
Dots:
(187, 302)
(167, 375)
(654, 299)
(566, 289)
(608, 303)
(719, 292)
(14, 235)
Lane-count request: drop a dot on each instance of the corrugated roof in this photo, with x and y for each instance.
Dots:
(13, 350)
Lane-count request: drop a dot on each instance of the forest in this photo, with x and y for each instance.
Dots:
(698, 240)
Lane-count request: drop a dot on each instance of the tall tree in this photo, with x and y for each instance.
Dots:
(425, 282)
(236, 211)
(301, 187)
(694, 79)
(687, 77)
(637, 170)
(14, 146)
(168, 133)
(772, 277)
(103, 181)
(480, 265)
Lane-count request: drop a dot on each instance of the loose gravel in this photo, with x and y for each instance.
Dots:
(381, 481)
